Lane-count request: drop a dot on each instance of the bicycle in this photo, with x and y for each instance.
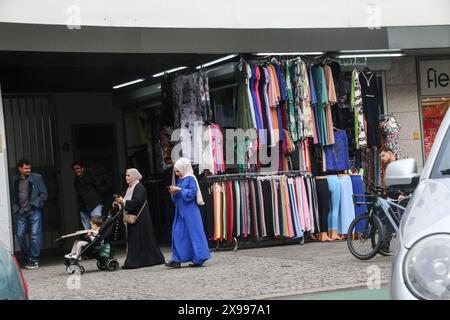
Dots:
(367, 231)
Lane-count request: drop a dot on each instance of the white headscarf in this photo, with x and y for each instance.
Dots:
(135, 178)
(184, 166)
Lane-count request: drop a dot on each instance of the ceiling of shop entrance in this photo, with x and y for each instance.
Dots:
(85, 72)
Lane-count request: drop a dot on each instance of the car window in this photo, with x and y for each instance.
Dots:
(441, 168)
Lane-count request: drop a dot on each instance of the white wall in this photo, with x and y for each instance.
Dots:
(82, 108)
(6, 239)
(227, 14)
(403, 101)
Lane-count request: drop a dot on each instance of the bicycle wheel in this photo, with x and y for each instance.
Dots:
(365, 236)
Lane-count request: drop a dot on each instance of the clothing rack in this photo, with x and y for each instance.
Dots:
(239, 176)
(255, 174)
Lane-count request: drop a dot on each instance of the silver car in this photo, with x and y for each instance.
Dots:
(421, 262)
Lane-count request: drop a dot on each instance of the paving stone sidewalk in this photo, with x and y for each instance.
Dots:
(263, 273)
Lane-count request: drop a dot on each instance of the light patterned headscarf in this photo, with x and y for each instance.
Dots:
(184, 166)
(135, 178)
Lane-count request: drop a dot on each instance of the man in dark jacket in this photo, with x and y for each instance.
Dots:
(89, 190)
(28, 195)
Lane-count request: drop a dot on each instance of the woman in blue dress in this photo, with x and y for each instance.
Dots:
(189, 243)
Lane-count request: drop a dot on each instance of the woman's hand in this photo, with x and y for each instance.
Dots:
(174, 190)
(119, 200)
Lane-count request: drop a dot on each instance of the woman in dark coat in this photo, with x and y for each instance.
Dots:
(142, 249)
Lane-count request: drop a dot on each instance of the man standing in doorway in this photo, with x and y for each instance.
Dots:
(89, 189)
(28, 192)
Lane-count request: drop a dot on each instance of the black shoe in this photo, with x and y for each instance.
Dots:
(195, 265)
(173, 264)
(32, 264)
(385, 251)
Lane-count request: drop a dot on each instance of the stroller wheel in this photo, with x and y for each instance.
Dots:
(81, 269)
(112, 265)
(75, 269)
(100, 265)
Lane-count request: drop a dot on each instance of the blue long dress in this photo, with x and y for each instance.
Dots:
(188, 236)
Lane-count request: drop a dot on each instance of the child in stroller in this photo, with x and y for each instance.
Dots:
(95, 247)
(79, 244)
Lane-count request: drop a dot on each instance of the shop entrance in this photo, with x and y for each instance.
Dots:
(30, 133)
(112, 130)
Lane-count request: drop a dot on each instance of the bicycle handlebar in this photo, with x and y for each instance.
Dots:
(381, 189)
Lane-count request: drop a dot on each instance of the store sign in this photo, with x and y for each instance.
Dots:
(434, 77)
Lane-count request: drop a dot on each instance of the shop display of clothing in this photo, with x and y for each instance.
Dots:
(318, 120)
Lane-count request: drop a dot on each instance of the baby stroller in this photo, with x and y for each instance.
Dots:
(98, 248)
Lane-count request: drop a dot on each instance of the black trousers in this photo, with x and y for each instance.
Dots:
(207, 210)
(267, 196)
(323, 201)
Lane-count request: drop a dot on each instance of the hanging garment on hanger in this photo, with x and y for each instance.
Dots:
(255, 98)
(207, 159)
(276, 219)
(315, 205)
(217, 211)
(288, 212)
(294, 208)
(254, 214)
(341, 92)
(268, 207)
(266, 80)
(332, 100)
(391, 135)
(203, 92)
(300, 203)
(346, 209)
(322, 101)
(244, 116)
(281, 98)
(358, 189)
(262, 215)
(335, 195)
(292, 123)
(372, 105)
(314, 103)
(262, 84)
(357, 105)
(237, 219)
(337, 156)
(274, 102)
(230, 210)
(307, 199)
(312, 207)
(305, 96)
(323, 200)
(185, 89)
